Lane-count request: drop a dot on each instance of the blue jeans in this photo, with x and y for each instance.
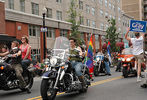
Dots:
(25, 63)
(78, 67)
(107, 67)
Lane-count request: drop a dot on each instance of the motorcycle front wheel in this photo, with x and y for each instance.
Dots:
(47, 89)
(96, 71)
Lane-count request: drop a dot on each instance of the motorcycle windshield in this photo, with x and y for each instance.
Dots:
(61, 48)
(127, 51)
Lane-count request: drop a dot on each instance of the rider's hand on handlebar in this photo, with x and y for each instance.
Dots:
(14, 55)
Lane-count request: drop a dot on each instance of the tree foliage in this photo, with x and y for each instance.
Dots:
(74, 23)
(112, 35)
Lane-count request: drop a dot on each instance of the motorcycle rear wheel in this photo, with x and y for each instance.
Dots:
(46, 89)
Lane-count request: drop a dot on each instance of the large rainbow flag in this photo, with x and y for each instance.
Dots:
(89, 56)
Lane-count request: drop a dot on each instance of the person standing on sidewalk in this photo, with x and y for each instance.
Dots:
(137, 44)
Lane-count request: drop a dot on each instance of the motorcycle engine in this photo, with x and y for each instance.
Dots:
(68, 79)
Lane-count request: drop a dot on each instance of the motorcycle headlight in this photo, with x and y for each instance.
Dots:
(53, 61)
(46, 61)
(97, 59)
(128, 59)
(123, 59)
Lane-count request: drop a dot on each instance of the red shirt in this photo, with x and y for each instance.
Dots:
(24, 51)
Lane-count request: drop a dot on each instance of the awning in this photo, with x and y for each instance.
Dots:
(5, 38)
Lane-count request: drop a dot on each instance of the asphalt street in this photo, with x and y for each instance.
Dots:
(113, 87)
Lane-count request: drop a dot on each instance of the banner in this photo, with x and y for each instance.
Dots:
(138, 26)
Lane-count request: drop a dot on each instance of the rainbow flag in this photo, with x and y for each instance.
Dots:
(108, 51)
(89, 56)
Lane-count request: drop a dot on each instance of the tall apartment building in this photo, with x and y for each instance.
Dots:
(135, 8)
(24, 17)
(145, 10)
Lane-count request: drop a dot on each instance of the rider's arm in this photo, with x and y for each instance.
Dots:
(17, 54)
(80, 51)
(4, 54)
(126, 35)
(28, 51)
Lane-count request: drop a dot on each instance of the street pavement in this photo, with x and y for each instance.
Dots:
(113, 87)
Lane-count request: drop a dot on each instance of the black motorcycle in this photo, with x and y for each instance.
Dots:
(60, 76)
(8, 79)
(99, 65)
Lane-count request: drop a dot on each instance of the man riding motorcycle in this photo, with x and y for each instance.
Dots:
(15, 62)
(76, 60)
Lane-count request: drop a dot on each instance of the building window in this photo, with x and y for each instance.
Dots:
(88, 22)
(93, 24)
(49, 13)
(64, 33)
(93, 11)
(80, 4)
(113, 7)
(11, 4)
(106, 27)
(119, 19)
(35, 8)
(50, 33)
(22, 5)
(106, 14)
(101, 12)
(87, 9)
(106, 3)
(109, 5)
(110, 16)
(59, 15)
(34, 30)
(81, 20)
(118, 9)
(102, 26)
(59, 1)
(96, 37)
(101, 2)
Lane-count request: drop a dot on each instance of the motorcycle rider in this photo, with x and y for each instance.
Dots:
(15, 62)
(76, 60)
(137, 44)
(26, 52)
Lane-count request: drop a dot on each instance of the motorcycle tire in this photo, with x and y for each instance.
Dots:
(96, 72)
(125, 72)
(46, 88)
(28, 77)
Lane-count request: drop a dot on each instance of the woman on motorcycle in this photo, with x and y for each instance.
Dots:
(26, 51)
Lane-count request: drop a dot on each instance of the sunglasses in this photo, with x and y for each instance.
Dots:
(23, 38)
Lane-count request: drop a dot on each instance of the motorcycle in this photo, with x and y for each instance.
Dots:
(99, 66)
(8, 79)
(128, 62)
(60, 76)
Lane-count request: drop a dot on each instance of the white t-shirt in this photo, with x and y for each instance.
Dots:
(137, 45)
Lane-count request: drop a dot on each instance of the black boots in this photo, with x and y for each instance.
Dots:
(81, 78)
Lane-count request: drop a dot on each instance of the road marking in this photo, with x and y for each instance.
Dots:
(92, 84)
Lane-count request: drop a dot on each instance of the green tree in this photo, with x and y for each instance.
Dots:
(112, 35)
(74, 23)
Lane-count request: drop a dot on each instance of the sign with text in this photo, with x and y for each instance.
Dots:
(43, 29)
(138, 26)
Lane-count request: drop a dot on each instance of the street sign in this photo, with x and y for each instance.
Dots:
(138, 26)
(43, 29)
